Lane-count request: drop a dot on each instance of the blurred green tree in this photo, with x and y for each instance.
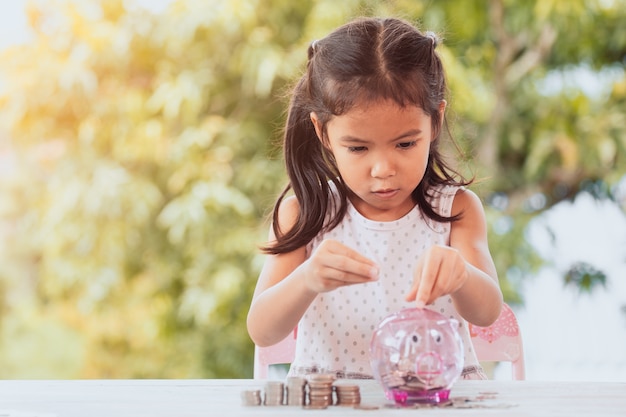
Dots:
(144, 159)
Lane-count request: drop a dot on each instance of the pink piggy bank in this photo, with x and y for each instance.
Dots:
(416, 355)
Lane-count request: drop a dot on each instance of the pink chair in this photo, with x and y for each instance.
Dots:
(282, 352)
(502, 341)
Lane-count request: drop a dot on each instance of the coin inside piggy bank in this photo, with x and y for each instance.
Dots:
(416, 355)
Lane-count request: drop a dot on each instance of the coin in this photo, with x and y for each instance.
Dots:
(366, 407)
(251, 397)
(296, 390)
(320, 389)
(274, 393)
(348, 395)
(408, 382)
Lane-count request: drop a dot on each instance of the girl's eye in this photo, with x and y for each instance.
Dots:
(357, 149)
(407, 145)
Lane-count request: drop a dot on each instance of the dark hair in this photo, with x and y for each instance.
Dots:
(367, 59)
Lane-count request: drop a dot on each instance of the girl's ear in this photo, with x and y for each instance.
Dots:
(317, 125)
(442, 109)
(442, 114)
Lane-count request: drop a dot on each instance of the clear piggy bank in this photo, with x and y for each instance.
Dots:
(416, 355)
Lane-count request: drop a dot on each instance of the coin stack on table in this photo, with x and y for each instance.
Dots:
(274, 393)
(347, 395)
(321, 393)
(251, 397)
(296, 390)
(320, 390)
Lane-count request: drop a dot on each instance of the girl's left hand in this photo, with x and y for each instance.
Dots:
(440, 270)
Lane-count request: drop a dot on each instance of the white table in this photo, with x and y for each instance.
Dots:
(220, 397)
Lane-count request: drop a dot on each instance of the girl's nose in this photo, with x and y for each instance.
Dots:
(383, 168)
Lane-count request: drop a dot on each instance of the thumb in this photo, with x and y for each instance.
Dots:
(410, 296)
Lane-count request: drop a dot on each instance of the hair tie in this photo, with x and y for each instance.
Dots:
(433, 38)
(312, 47)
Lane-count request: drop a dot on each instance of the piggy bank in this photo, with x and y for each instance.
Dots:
(416, 355)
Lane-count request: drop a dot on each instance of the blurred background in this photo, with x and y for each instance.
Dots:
(140, 156)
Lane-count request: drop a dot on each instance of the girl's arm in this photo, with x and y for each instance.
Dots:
(289, 282)
(479, 300)
(465, 269)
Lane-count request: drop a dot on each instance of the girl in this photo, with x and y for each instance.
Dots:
(377, 221)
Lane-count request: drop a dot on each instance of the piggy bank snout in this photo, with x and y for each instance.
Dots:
(429, 365)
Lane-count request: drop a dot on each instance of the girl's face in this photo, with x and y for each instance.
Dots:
(381, 151)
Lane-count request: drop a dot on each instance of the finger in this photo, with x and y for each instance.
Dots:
(351, 271)
(351, 263)
(410, 296)
(341, 249)
(333, 271)
(428, 279)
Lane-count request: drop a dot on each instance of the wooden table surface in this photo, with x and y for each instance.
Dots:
(222, 397)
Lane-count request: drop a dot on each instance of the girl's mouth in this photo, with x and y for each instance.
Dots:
(386, 193)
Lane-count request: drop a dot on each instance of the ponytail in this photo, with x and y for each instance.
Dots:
(309, 170)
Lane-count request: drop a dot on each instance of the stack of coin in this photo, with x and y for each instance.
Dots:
(251, 397)
(320, 390)
(274, 393)
(348, 395)
(296, 390)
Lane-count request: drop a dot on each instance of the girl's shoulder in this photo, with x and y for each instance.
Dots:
(468, 206)
(288, 212)
(465, 199)
(453, 200)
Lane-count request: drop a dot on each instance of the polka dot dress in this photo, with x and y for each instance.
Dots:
(335, 332)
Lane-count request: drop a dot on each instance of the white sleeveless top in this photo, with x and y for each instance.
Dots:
(335, 332)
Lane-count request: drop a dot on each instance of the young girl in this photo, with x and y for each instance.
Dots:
(377, 221)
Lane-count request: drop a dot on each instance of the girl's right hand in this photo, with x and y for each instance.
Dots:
(335, 265)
